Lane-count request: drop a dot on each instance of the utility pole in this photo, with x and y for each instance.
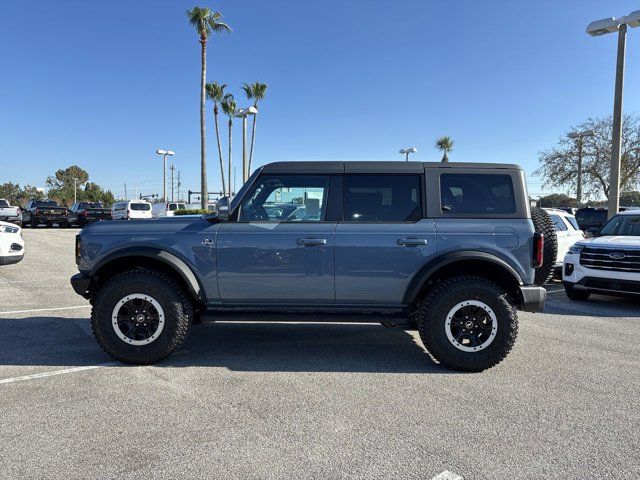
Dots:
(172, 169)
(179, 198)
(75, 189)
(579, 138)
(614, 179)
(125, 192)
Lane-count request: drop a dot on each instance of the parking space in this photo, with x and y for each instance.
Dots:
(308, 401)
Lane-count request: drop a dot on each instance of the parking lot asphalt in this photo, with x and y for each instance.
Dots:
(284, 401)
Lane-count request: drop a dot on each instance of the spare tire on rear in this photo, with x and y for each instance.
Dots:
(544, 225)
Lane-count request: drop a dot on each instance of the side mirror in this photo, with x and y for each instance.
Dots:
(222, 214)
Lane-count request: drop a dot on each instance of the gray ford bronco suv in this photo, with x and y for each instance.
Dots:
(451, 249)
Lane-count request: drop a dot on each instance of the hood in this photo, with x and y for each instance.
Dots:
(612, 241)
(154, 226)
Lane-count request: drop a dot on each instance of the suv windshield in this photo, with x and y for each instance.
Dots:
(49, 203)
(90, 205)
(622, 225)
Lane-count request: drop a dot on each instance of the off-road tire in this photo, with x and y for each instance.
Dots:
(178, 315)
(442, 298)
(543, 224)
(579, 295)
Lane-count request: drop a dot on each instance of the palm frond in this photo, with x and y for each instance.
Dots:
(215, 91)
(206, 21)
(445, 144)
(248, 90)
(229, 105)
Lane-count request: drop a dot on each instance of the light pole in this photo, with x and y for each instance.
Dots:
(407, 151)
(75, 189)
(243, 113)
(579, 136)
(595, 29)
(165, 154)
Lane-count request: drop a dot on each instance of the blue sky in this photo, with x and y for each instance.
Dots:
(103, 84)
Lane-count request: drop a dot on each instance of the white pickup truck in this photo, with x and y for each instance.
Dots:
(9, 213)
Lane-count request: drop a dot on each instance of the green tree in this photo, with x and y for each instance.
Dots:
(256, 92)
(215, 93)
(630, 199)
(559, 164)
(444, 144)
(229, 108)
(61, 184)
(206, 22)
(557, 200)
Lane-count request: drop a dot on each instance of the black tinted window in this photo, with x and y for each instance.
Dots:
(382, 198)
(477, 193)
(140, 206)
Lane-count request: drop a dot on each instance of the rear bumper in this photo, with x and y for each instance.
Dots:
(533, 298)
(80, 283)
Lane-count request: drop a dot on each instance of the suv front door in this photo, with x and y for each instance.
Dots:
(383, 239)
(279, 248)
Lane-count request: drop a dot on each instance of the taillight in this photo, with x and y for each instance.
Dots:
(538, 249)
(78, 244)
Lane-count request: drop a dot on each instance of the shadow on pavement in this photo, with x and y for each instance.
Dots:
(257, 347)
(596, 306)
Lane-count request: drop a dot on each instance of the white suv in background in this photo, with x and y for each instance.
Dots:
(608, 263)
(131, 209)
(568, 233)
(11, 243)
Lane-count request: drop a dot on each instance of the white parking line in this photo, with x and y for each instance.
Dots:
(44, 309)
(55, 372)
(447, 475)
(555, 291)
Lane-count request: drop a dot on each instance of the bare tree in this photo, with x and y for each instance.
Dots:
(559, 164)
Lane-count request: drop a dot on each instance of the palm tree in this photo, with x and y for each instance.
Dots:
(215, 92)
(255, 91)
(446, 145)
(205, 21)
(229, 108)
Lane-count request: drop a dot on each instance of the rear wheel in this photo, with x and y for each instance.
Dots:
(573, 294)
(141, 316)
(543, 224)
(468, 323)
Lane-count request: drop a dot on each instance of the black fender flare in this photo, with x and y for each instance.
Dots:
(175, 263)
(425, 273)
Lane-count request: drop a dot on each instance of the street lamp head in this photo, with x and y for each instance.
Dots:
(408, 150)
(170, 153)
(602, 27)
(161, 152)
(633, 19)
(245, 112)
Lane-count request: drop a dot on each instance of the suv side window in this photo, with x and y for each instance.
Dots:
(477, 193)
(382, 198)
(286, 198)
(558, 223)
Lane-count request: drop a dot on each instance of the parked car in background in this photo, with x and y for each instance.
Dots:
(592, 219)
(167, 209)
(451, 249)
(11, 243)
(9, 213)
(82, 213)
(131, 209)
(608, 263)
(45, 212)
(568, 233)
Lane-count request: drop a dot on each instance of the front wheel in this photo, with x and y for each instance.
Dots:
(141, 316)
(468, 323)
(579, 295)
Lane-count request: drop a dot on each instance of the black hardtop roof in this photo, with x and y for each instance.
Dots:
(378, 167)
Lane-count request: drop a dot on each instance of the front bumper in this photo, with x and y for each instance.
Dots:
(533, 298)
(11, 259)
(80, 283)
(605, 286)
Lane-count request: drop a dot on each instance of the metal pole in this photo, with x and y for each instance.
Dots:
(172, 168)
(579, 187)
(406, 159)
(245, 166)
(614, 178)
(75, 190)
(164, 177)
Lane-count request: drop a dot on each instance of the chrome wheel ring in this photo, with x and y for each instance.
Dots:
(471, 326)
(138, 319)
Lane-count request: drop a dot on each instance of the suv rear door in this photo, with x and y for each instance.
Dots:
(280, 247)
(383, 239)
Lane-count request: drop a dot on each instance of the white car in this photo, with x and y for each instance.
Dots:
(568, 233)
(11, 243)
(608, 263)
(167, 209)
(130, 210)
